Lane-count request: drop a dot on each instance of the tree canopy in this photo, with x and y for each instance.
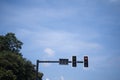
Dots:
(12, 65)
(9, 42)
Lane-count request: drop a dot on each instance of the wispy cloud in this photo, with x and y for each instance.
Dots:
(61, 78)
(59, 40)
(49, 52)
(47, 79)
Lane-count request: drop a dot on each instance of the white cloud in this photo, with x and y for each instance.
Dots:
(61, 78)
(49, 52)
(60, 41)
(47, 79)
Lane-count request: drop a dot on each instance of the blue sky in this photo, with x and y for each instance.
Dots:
(53, 29)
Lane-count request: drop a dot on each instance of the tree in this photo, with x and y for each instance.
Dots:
(12, 64)
(7, 75)
(10, 43)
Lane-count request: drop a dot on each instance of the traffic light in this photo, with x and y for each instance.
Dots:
(85, 61)
(74, 62)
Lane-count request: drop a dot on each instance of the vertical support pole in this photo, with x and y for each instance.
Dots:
(37, 66)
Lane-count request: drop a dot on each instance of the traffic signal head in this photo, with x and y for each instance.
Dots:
(85, 61)
(74, 62)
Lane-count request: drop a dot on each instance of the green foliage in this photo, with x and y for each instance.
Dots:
(12, 65)
(10, 43)
(6, 75)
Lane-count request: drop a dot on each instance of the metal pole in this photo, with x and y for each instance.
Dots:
(37, 66)
(57, 61)
(48, 61)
